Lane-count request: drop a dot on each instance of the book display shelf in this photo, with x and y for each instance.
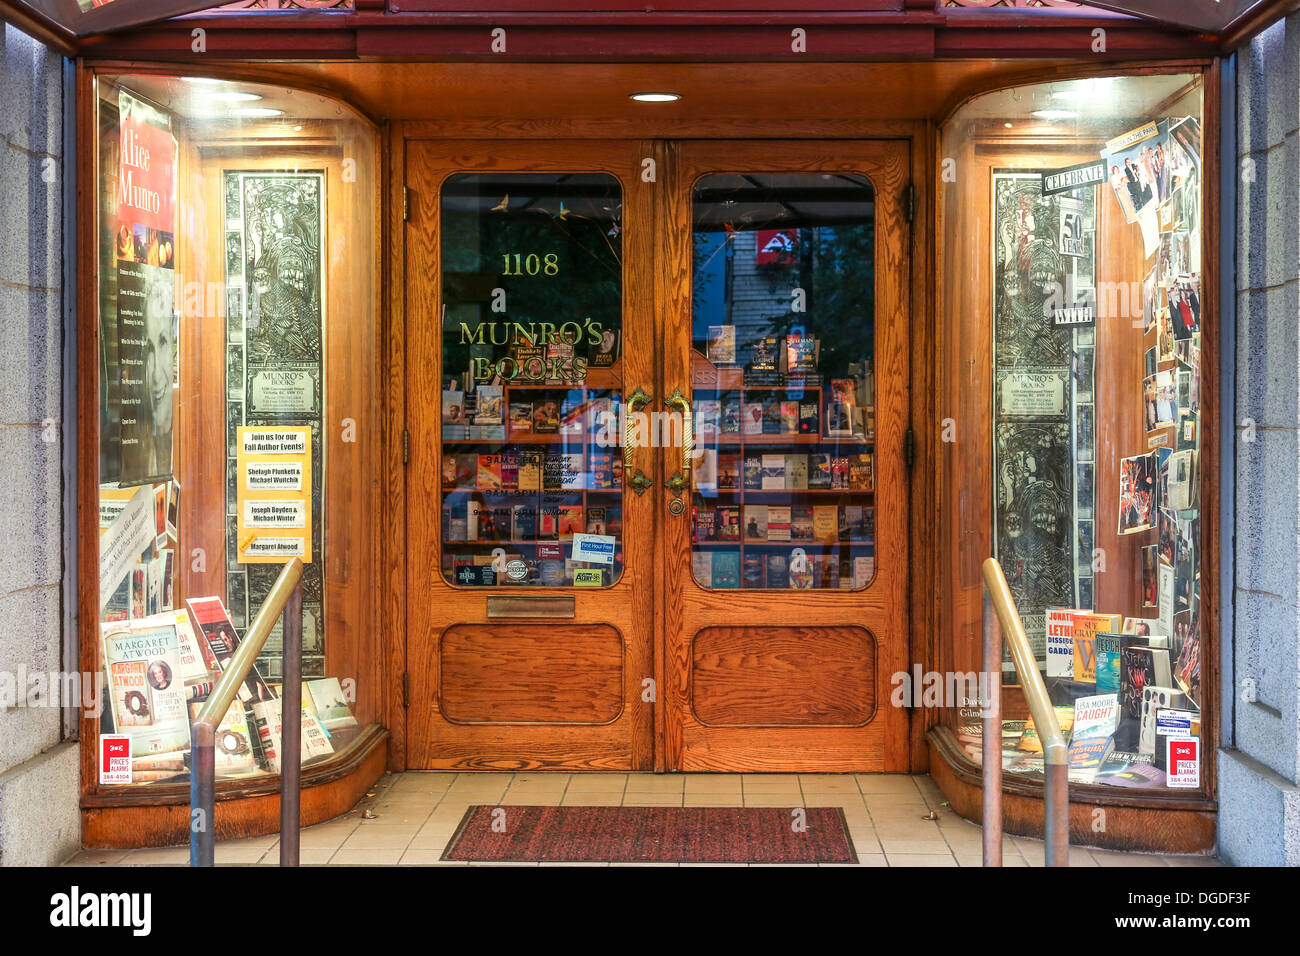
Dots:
(546, 465)
(783, 489)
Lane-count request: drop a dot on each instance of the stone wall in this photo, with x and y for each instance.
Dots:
(1259, 766)
(39, 819)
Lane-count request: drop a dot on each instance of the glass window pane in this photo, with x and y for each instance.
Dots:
(783, 490)
(532, 469)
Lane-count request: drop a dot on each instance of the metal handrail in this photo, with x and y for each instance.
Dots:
(1056, 759)
(285, 597)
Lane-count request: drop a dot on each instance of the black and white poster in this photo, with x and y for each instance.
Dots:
(275, 300)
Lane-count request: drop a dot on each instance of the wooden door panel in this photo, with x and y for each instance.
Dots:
(789, 680)
(492, 692)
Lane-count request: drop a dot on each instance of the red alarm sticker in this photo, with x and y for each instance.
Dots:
(114, 758)
(1184, 761)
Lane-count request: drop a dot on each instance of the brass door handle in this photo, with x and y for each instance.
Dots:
(682, 480)
(638, 400)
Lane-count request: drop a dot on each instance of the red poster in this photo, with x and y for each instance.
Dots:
(777, 247)
(146, 180)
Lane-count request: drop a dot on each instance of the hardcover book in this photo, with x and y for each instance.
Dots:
(705, 523)
(774, 473)
(751, 419)
(728, 471)
(1084, 631)
(726, 569)
(234, 748)
(1108, 648)
(1030, 741)
(778, 523)
(530, 470)
(722, 344)
(796, 472)
(704, 476)
(521, 419)
(212, 623)
(523, 523)
(801, 523)
(1060, 641)
(751, 571)
(267, 719)
(778, 572)
(730, 419)
(702, 568)
(756, 522)
(489, 473)
(490, 405)
(809, 418)
(819, 471)
(753, 472)
(1141, 667)
(728, 523)
(571, 521)
(826, 522)
(331, 706)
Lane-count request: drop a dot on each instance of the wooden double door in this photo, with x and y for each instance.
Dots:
(657, 404)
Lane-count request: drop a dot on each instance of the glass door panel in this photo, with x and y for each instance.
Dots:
(783, 341)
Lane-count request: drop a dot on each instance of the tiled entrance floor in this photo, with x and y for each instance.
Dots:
(415, 815)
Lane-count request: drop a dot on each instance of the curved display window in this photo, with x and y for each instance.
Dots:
(1073, 320)
(237, 348)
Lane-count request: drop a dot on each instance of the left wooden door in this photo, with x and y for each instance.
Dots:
(530, 604)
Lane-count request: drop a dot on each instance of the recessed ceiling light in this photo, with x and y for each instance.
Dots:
(258, 111)
(1056, 114)
(1008, 125)
(200, 80)
(655, 97)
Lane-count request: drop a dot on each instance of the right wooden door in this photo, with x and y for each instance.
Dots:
(784, 508)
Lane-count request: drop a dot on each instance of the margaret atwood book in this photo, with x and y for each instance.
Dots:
(142, 667)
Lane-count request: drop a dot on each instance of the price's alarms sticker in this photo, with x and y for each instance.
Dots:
(114, 758)
(1184, 761)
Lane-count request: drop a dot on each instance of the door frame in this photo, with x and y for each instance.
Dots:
(923, 163)
(885, 162)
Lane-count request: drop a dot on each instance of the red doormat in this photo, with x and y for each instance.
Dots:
(651, 835)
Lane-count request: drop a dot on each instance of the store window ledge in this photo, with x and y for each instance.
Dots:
(1102, 817)
(158, 815)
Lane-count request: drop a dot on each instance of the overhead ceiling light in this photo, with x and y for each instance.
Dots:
(655, 97)
(1056, 114)
(200, 80)
(254, 112)
(1008, 125)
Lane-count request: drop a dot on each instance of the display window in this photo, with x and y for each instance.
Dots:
(532, 466)
(783, 336)
(1073, 274)
(236, 340)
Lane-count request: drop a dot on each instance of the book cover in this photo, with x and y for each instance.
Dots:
(490, 405)
(530, 470)
(331, 706)
(212, 623)
(548, 524)
(453, 408)
(147, 693)
(510, 470)
(801, 523)
(708, 415)
(489, 473)
(778, 572)
(796, 472)
(728, 471)
(199, 669)
(773, 424)
(1060, 641)
(704, 476)
(1084, 631)
(819, 471)
(449, 471)
(1029, 740)
(1085, 758)
(726, 569)
(267, 719)
(596, 523)
(234, 751)
(571, 519)
(826, 522)
(730, 417)
(751, 571)
(778, 523)
(502, 522)
(705, 523)
(1096, 716)
(789, 417)
(773, 473)
(466, 470)
(722, 344)
(809, 418)
(572, 475)
(473, 519)
(728, 523)
(840, 472)
(861, 476)
(1140, 667)
(751, 419)
(756, 522)
(521, 419)
(523, 522)
(702, 568)
(766, 358)
(1108, 648)
(601, 470)
(546, 417)
(753, 472)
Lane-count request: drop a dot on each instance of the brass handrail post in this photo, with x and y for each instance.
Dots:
(1056, 823)
(203, 730)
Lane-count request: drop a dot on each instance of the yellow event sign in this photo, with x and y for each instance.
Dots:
(274, 495)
